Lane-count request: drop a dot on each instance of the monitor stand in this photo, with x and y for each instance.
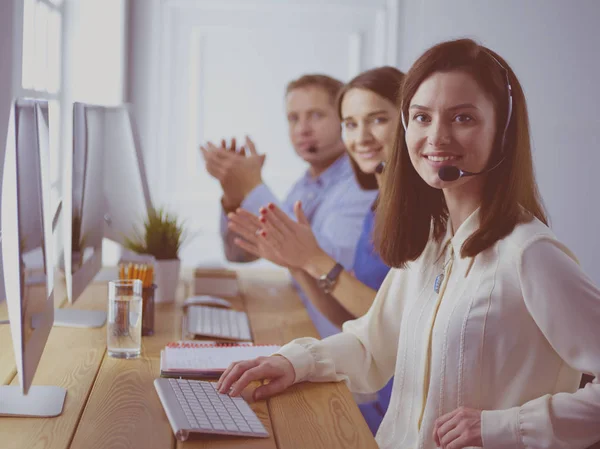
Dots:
(73, 317)
(42, 401)
(79, 318)
(69, 317)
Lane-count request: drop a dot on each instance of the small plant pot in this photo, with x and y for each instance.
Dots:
(166, 278)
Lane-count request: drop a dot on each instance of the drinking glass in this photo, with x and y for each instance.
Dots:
(124, 339)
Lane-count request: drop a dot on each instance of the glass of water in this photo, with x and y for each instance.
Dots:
(124, 339)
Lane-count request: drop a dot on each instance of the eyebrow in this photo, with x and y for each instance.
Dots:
(453, 108)
(308, 111)
(370, 114)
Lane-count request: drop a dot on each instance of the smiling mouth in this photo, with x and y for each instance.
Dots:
(368, 154)
(441, 158)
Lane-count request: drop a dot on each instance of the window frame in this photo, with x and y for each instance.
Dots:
(58, 97)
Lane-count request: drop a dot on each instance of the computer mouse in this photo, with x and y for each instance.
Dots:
(205, 300)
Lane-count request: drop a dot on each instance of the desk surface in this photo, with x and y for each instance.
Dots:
(111, 403)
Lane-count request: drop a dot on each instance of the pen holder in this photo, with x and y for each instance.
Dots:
(148, 310)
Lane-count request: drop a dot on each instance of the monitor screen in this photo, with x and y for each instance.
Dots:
(84, 207)
(126, 191)
(109, 190)
(30, 219)
(25, 254)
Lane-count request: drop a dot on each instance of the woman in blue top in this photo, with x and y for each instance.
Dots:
(366, 106)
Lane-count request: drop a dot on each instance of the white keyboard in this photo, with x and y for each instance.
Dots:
(196, 406)
(218, 322)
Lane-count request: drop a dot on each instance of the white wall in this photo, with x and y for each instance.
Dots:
(142, 67)
(553, 48)
(97, 49)
(94, 56)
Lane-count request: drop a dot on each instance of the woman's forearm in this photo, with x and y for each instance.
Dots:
(354, 296)
(326, 304)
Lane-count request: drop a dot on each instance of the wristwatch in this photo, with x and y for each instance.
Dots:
(327, 281)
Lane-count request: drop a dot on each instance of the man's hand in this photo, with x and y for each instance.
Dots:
(239, 173)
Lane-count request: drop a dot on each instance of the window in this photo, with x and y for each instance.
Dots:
(42, 63)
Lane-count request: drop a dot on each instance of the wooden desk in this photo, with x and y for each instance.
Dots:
(111, 403)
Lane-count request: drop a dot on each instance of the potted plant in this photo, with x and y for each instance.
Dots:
(162, 238)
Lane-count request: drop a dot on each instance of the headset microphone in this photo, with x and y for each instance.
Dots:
(380, 167)
(451, 173)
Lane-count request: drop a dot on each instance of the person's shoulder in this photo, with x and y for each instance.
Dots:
(350, 192)
(536, 238)
(345, 184)
(527, 231)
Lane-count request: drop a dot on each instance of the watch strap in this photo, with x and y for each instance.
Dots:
(335, 272)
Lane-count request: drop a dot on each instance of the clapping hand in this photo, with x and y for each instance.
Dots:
(249, 228)
(292, 241)
(238, 171)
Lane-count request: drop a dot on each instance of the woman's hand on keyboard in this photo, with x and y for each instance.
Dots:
(277, 369)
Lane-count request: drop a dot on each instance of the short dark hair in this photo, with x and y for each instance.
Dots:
(329, 84)
(384, 81)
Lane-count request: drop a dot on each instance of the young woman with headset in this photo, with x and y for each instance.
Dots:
(484, 321)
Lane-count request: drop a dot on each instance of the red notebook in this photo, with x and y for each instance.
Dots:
(207, 359)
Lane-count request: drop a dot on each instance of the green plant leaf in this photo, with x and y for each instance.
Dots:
(161, 237)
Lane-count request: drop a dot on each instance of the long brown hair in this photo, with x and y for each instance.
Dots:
(384, 81)
(410, 212)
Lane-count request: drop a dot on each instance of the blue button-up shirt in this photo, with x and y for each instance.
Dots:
(335, 206)
(368, 266)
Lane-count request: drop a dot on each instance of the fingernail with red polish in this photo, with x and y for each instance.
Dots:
(262, 219)
(262, 210)
(271, 206)
(264, 234)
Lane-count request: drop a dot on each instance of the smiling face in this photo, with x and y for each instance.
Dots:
(313, 125)
(368, 124)
(451, 121)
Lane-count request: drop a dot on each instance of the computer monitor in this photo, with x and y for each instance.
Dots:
(28, 258)
(126, 188)
(84, 213)
(52, 198)
(110, 194)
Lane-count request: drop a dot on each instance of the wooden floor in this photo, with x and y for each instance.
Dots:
(111, 403)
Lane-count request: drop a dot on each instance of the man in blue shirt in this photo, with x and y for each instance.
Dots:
(332, 200)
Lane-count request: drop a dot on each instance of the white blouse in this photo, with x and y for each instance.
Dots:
(510, 333)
